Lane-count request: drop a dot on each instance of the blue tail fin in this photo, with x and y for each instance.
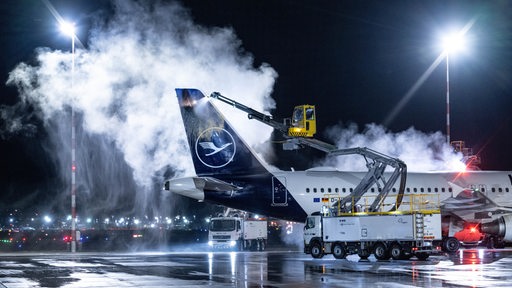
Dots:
(215, 147)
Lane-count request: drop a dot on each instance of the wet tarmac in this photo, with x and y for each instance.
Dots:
(469, 268)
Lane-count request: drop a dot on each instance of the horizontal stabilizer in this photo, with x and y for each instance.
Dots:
(213, 184)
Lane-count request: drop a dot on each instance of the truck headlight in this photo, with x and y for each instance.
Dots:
(232, 243)
(210, 243)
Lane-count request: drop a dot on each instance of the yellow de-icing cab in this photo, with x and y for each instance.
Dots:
(303, 122)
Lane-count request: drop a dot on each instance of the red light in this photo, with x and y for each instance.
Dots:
(73, 167)
(470, 234)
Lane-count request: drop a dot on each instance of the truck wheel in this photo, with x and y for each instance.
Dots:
(451, 245)
(380, 251)
(261, 245)
(339, 251)
(316, 250)
(364, 254)
(422, 256)
(397, 252)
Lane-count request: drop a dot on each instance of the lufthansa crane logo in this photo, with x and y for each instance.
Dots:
(215, 147)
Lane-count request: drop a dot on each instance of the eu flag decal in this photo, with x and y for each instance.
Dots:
(316, 200)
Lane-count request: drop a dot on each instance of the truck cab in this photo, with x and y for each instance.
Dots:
(224, 232)
(312, 232)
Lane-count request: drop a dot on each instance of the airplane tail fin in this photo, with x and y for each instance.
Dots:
(215, 147)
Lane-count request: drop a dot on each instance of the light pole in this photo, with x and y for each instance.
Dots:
(69, 29)
(448, 98)
(451, 43)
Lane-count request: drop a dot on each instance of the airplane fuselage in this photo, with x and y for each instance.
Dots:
(292, 195)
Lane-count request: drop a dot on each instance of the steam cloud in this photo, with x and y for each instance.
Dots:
(123, 93)
(123, 90)
(420, 151)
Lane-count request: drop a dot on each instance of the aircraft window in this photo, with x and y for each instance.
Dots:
(506, 189)
(343, 190)
(373, 189)
(322, 190)
(422, 190)
(483, 189)
(394, 189)
(415, 190)
(380, 189)
(500, 190)
(442, 189)
(408, 189)
(351, 189)
(450, 189)
(336, 190)
(493, 189)
(436, 190)
(429, 189)
(314, 190)
(307, 190)
(329, 190)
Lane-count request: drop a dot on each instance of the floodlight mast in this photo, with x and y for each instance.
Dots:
(69, 29)
(451, 43)
(447, 98)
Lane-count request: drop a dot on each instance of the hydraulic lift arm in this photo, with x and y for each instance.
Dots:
(376, 168)
(251, 113)
(375, 162)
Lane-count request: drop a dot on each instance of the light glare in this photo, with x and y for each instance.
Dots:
(454, 42)
(68, 28)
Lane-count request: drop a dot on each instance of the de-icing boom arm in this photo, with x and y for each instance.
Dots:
(376, 167)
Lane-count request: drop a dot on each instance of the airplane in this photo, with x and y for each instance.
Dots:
(475, 205)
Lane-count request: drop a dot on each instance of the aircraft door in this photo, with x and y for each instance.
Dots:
(279, 194)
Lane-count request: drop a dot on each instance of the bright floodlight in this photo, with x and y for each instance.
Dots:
(453, 42)
(68, 28)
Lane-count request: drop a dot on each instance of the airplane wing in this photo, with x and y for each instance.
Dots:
(468, 199)
(472, 202)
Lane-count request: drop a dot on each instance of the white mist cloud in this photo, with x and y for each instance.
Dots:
(13, 122)
(124, 82)
(420, 151)
(123, 91)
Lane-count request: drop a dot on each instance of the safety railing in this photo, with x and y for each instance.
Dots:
(411, 203)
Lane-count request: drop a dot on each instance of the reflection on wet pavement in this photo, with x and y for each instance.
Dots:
(470, 267)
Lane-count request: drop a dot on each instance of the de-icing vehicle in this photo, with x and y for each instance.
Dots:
(237, 230)
(398, 234)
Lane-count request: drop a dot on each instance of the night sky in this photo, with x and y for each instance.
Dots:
(354, 60)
